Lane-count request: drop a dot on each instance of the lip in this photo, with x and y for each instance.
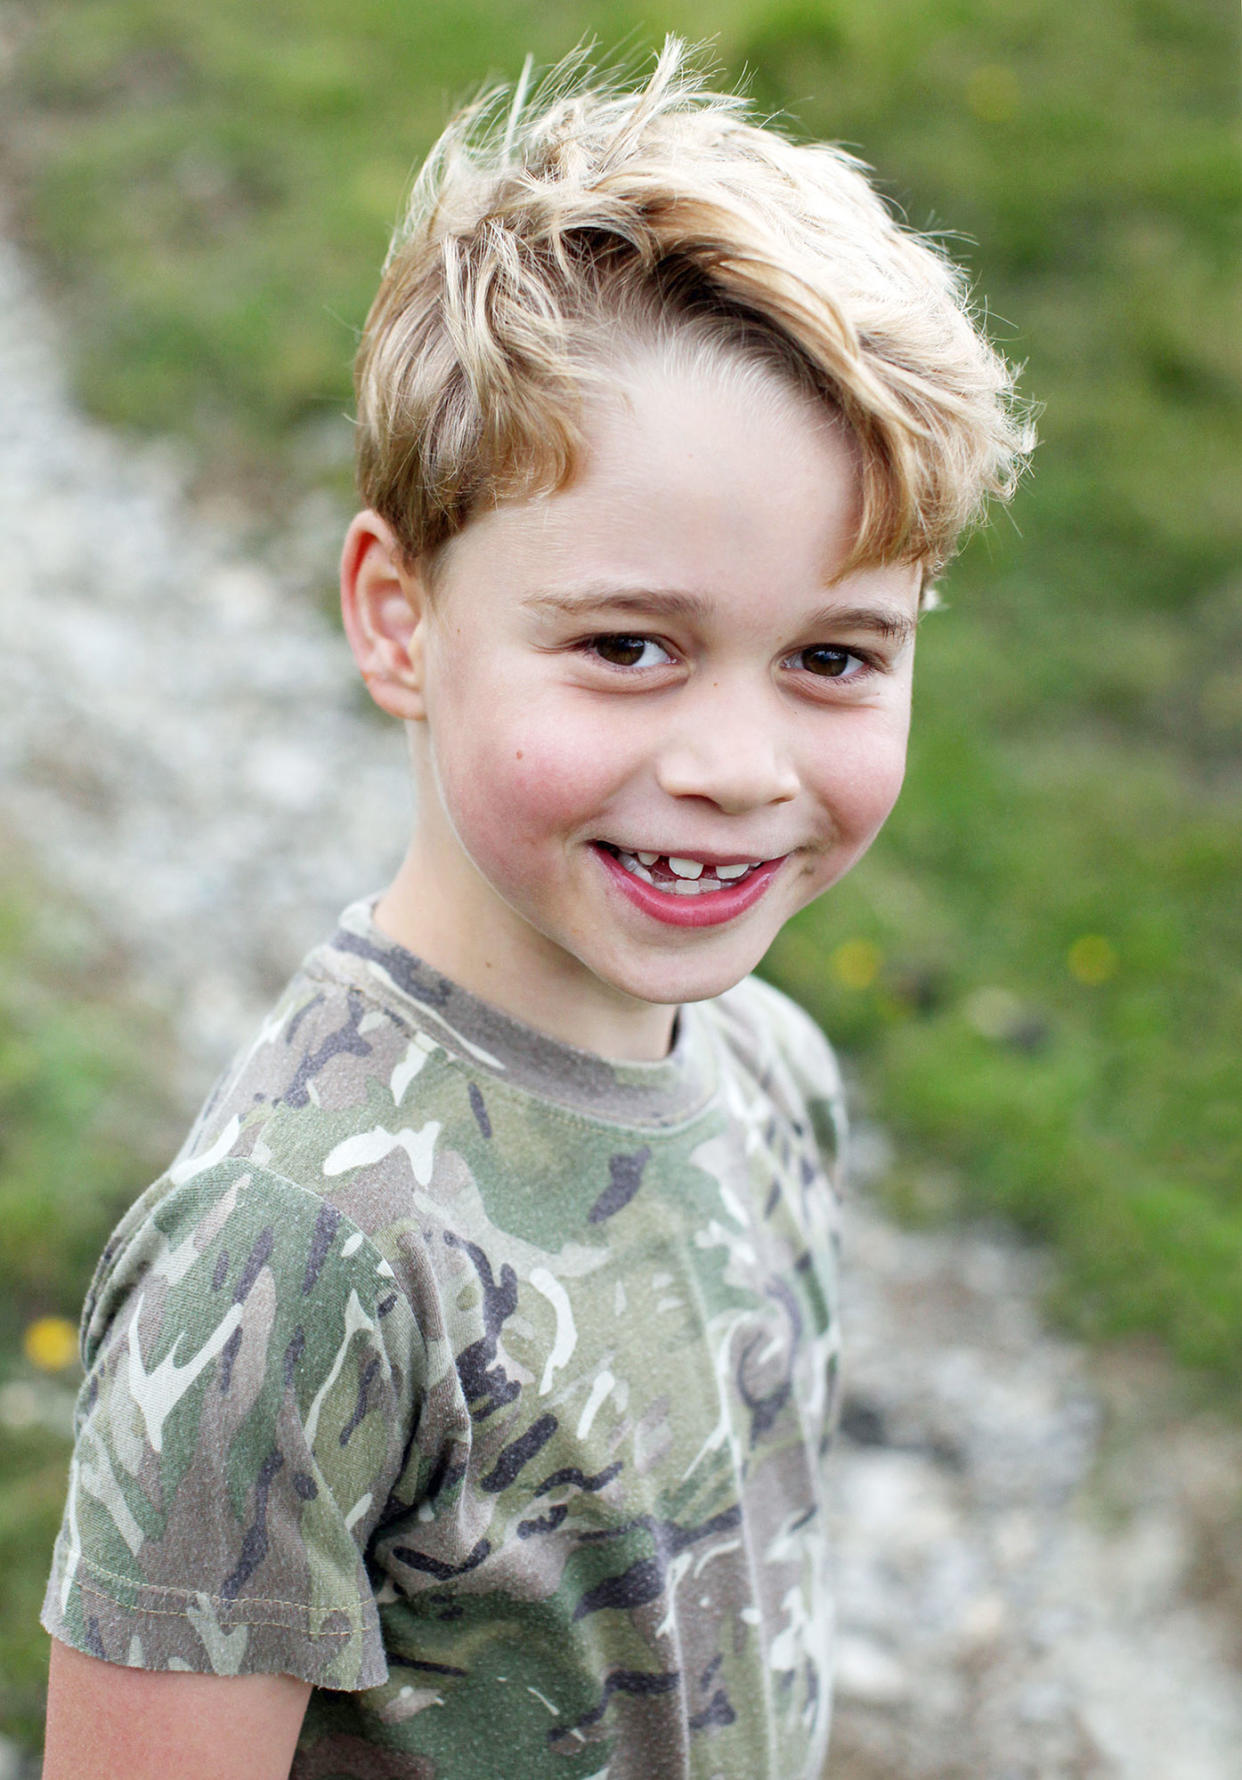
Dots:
(710, 910)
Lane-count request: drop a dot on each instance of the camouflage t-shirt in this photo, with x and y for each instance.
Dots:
(480, 1382)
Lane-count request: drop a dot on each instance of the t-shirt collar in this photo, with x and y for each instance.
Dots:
(494, 1042)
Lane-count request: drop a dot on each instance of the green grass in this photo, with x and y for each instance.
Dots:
(211, 188)
(84, 1112)
(85, 1120)
(33, 1464)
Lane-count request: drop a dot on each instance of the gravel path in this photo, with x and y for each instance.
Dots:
(1026, 1535)
(183, 739)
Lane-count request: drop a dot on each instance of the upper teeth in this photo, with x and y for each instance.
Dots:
(691, 874)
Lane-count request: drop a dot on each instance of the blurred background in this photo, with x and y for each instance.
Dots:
(1035, 975)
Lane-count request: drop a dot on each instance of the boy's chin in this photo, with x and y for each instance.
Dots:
(672, 983)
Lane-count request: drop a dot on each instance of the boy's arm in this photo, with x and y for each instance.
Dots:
(115, 1723)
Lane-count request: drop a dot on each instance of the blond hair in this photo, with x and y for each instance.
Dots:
(550, 232)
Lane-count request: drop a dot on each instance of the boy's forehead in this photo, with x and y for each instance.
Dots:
(656, 429)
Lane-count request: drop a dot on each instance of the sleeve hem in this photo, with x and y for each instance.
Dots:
(325, 1646)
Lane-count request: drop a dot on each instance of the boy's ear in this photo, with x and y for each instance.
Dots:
(383, 604)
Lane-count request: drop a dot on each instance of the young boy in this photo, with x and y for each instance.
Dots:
(457, 1403)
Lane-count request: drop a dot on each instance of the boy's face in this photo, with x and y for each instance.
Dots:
(651, 724)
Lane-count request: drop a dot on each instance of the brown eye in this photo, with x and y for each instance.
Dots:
(623, 651)
(827, 662)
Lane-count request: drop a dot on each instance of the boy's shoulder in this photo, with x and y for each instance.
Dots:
(780, 1047)
(760, 1021)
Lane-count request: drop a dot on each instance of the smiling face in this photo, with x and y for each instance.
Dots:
(650, 722)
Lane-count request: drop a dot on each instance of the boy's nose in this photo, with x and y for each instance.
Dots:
(732, 758)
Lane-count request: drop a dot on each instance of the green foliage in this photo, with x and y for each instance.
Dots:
(214, 186)
(33, 1463)
(85, 1121)
(83, 1108)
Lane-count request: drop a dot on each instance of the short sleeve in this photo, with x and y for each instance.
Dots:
(252, 1379)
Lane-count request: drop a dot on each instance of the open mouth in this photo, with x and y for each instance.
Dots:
(677, 876)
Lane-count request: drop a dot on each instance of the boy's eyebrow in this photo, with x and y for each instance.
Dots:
(889, 622)
(642, 602)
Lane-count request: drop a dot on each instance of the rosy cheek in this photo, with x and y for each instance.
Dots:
(887, 785)
(867, 776)
(518, 788)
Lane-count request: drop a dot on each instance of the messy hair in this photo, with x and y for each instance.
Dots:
(554, 230)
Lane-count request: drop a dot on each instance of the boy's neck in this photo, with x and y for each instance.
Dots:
(587, 1014)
